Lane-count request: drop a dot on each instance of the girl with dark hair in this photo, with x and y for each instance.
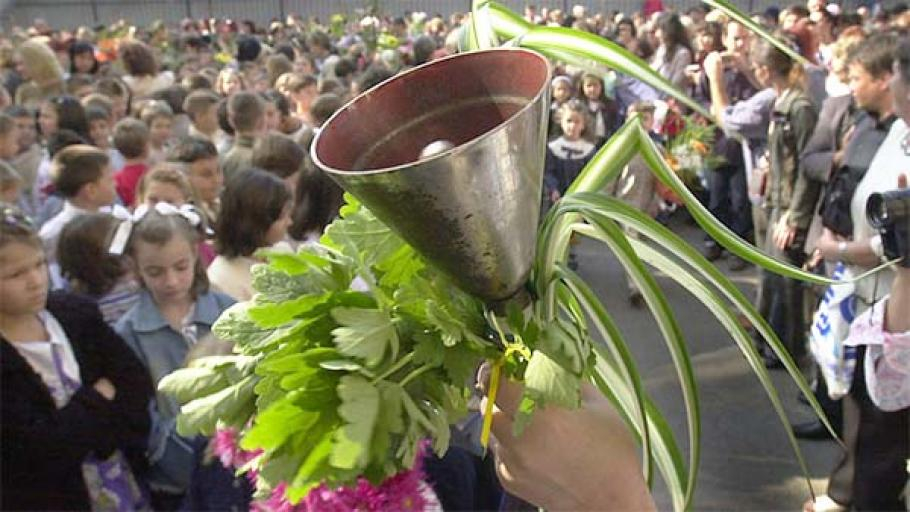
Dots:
(673, 52)
(82, 59)
(142, 73)
(62, 113)
(255, 213)
(91, 270)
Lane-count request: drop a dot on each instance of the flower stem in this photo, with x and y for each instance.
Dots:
(414, 374)
(397, 366)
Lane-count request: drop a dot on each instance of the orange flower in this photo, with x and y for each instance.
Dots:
(699, 147)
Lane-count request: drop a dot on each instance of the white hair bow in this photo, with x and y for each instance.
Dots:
(127, 221)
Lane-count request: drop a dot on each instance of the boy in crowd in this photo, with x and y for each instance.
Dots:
(246, 112)
(82, 176)
(202, 108)
(131, 138)
(200, 159)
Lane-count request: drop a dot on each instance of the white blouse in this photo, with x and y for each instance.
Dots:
(40, 356)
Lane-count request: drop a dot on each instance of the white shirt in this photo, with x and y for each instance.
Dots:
(40, 356)
(233, 276)
(888, 163)
(50, 234)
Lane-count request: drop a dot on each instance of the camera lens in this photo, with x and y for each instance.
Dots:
(876, 211)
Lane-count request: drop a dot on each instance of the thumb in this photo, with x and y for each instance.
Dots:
(902, 181)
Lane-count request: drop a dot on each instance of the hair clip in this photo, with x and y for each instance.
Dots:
(15, 217)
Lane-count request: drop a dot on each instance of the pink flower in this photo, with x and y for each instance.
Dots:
(228, 451)
(405, 491)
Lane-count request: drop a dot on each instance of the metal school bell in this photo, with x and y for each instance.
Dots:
(450, 155)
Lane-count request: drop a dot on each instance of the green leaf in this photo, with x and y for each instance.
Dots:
(583, 48)
(187, 384)
(359, 409)
(275, 425)
(202, 415)
(365, 333)
(273, 285)
(399, 267)
(271, 315)
(546, 382)
(747, 21)
(235, 325)
(361, 236)
(561, 346)
(428, 349)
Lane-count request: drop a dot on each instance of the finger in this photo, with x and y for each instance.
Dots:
(502, 429)
(508, 397)
(902, 181)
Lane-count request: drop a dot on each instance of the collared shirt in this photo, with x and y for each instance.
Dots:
(889, 162)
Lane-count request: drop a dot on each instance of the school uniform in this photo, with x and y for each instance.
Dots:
(53, 420)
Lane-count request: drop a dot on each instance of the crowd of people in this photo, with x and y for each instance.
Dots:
(141, 168)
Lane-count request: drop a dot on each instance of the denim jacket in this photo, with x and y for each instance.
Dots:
(163, 350)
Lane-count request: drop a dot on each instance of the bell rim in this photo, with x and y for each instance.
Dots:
(449, 152)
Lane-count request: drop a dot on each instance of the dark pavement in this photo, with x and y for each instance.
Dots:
(747, 462)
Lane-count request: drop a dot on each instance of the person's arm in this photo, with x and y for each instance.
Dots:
(821, 156)
(714, 72)
(805, 190)
(582, 459)
(896, 318)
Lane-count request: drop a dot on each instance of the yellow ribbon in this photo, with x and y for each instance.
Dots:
(491, 401)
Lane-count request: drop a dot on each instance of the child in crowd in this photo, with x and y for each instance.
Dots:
(605, 115)
(202, 108)
(568, 154)
(561, 91)
(174, 96)
(164, 183)
(272, 117)
(255, 213)
(91, 270)
(28, 157)
(287, 124)
(302, 91)
(281, 156)
(99, 130)
(200, 159)
(82, 176)
(131, 138)
(246, 112)
(158, 116)
(167, 183)
(119, 94)
(75, 398)
(175, 309)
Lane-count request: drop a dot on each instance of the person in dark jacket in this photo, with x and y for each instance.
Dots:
(74, 397)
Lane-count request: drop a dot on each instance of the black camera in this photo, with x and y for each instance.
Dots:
(889, 214)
